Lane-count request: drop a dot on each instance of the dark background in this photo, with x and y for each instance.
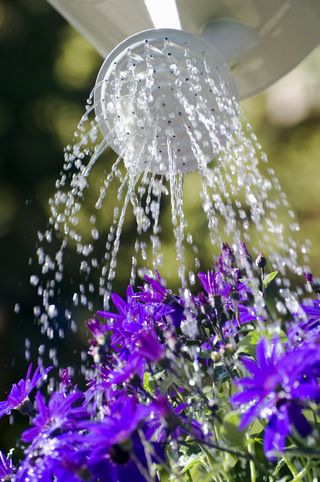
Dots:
(47, 71)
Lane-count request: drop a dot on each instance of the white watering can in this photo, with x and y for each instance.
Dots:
(260, 39)
(146, 93)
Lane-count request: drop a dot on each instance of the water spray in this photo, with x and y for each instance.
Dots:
(166, 100)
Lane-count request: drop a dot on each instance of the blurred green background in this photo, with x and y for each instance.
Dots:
(47, 71)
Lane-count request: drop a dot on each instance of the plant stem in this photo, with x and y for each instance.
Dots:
(290, 466)
(189, 476)
(301, 474)
(253, 473)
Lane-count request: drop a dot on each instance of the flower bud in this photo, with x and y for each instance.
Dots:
(230, 348)
(245, 252)
(308, 276)
(313, 282)
(261, 261)
(215, 357)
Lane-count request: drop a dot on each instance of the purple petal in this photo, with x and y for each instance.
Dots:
(275, 434)
(120, 304)
(307, 390)
(261, 351)
(4, 408)
(251, 414)
(251, 366)
(246, 396)
(298, 420)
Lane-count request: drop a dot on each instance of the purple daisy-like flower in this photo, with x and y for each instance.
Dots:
(60, 458)
(245, 314)
(132, 319)
(63, 411)
(127, 309)
(116, 451)
(214, 284)
(147, 349)
(18, 398)
(278, 390)
(6, 468)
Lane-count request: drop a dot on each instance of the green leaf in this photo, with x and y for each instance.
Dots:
(189, 462)
(255, 429)
(198, 472)
(230, 431)
(249, 342)
(220, 375)
(270, 277)
(146, 383)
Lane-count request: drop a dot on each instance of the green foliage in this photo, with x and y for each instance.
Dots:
(269, 278)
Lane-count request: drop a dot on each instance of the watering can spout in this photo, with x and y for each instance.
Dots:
(262, 40)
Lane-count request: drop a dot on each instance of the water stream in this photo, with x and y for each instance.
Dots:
(178, 131)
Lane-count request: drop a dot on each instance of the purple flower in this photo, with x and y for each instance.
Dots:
(97, 329)
(149, 347)
(60, 412)
(308, 276)
(18, 398)
(60, 458)
(245, 314)
(312, 311)
(126, 309)
(116, 450)
(313, 282)
(226, 259)
(125, 462)
(308, 329)
(134, 365)
(153, 290)
(278, 390)
(244, 253)
(132, 319)
(171, 422)
(6, 468)
(126, 415)
(214, 284)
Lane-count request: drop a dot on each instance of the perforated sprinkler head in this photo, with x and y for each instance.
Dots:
(166, 100)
